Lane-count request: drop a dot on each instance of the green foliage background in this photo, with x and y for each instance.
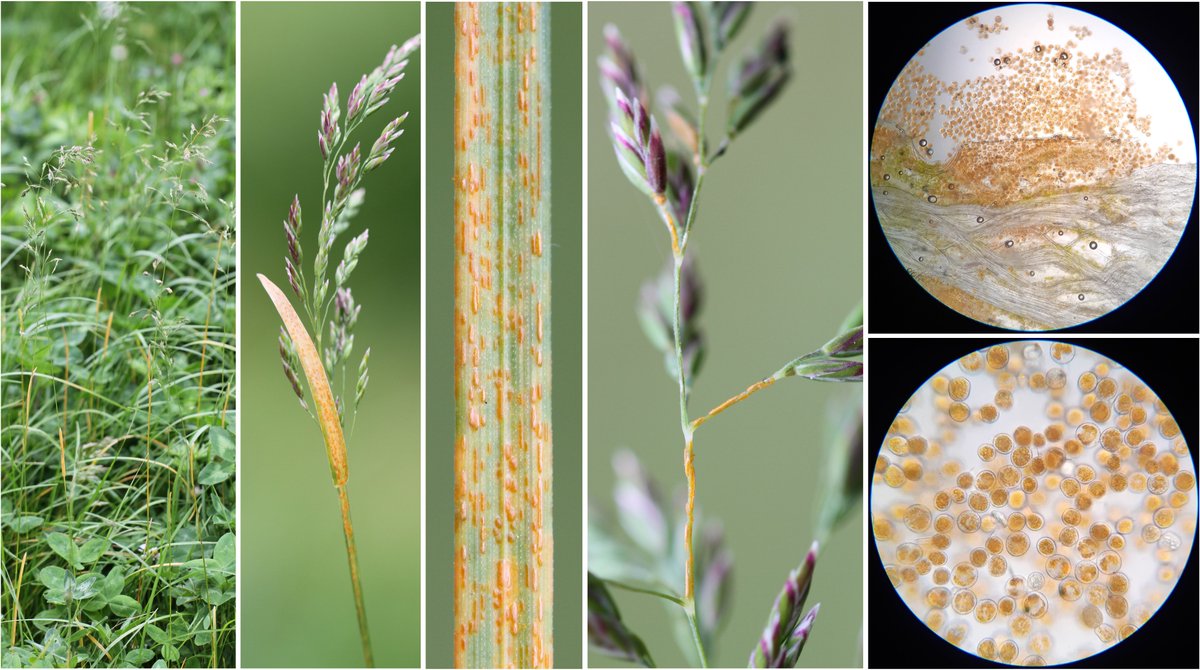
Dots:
(778, 244)
(119, 490)
(566, 315)
(297, 605)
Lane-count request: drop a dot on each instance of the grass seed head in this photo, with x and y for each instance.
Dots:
(607, 633)
(757, 82)
(618, 68)
(727, 19)
(787, 631)
(689, 31)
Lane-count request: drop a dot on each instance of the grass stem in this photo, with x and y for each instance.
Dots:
(664, 211)
(207, 318)
(352, 558)
(695, 628)
(679, 240)
(16, 598)
(751, 390)
(689, 470)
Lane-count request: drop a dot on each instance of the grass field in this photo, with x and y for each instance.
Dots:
(118, 307)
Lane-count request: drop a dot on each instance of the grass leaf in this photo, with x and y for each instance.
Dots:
(504, 547)
(318, 381)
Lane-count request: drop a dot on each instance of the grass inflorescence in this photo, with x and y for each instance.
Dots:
(118, 308)
(662, 550)
(335, 382)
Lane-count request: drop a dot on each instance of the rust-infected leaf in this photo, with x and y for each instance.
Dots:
(503, 543)
(318, 382)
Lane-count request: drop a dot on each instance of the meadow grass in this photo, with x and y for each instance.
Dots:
(334, 408)
(118, 305)
(670, 551)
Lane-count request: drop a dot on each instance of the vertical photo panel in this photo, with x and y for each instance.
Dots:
(725, 334)
(504, 226)
(119, 283)
(331, 320)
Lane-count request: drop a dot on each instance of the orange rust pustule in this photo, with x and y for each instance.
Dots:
(503, 572)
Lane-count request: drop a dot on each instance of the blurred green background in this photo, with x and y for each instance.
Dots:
(566, 315)
(296, 603)
(778, 243)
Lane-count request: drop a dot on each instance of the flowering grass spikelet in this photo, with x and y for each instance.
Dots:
(787, 630)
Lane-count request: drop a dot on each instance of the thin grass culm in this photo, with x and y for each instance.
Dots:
(669, 551)
(504, 547)
(330, 308)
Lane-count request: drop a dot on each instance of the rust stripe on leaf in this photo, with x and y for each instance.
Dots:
(503, 584)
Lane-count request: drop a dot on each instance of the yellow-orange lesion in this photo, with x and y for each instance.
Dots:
(1049, 119)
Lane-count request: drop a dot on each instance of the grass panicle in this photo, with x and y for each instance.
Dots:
(758, 80)
(726, 19)
(788, 627)
(671, 171)
(324, 361)
(656, 304)
(608, 632)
